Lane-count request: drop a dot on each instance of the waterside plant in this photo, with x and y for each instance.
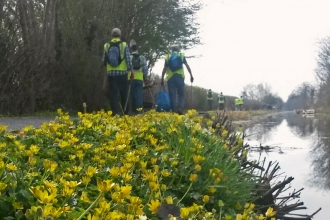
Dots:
(149, 166)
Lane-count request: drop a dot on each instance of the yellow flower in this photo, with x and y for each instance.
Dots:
(3, 127)
(67, 191)
(224, 133)
(165, 173)
(84, 197)
(63, 144)
(217, 180)
(174, 162)
(125, 190)
(76, 169)
(127, 177)
(32, 161)
(198, 158)
(156, 168)
(212, 190)
(72, 157)
(142, 217)
(169, 200)
(153, 160)
(11, 167)
(184, 212)
(261, 217)
(34, 149)
(114, 171)
(18, 205)
(104, 205)
(85, 180)
(3, 186)
(2, 164)
(50, 184)
(43, 195)
(154, 186)
(104, 185)
(193, 177)
(91, 171)
(134, 200)
(249, 206)
(90, 217)
(163, 187)
(50, 165)
(206, 198)
(143, 164)
(270, 212)
(153, 206)
(198, 167)
(239, 217)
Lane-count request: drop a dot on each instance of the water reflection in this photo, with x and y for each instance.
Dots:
(313, 130)
(263, 129)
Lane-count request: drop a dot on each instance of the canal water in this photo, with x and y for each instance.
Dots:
(301, 145)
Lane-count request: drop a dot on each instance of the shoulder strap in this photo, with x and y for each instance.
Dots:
(122, 49)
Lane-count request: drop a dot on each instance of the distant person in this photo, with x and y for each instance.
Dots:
(236, 104)
(117, 60)
(175, 76)
(140, 75)
(209, 97)
(241, 103)
(221, 101)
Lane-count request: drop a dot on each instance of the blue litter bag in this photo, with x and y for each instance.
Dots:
(163, 101)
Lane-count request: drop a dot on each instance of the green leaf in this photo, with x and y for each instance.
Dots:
(217, 186)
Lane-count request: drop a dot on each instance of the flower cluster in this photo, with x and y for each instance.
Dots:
(97, 166)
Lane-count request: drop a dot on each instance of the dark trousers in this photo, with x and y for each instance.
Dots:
(176, 86)
(118, 86)
(137, 95)
(221, 106)
(210, 101)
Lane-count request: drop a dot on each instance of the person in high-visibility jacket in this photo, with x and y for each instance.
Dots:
(117, 74)
(221, 101)
(175, 76)
(140, 75)
(236, 104)
(241, 103)
(209, 97)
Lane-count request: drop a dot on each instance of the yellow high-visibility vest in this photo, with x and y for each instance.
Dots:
(122, 47)
(169, 73)
(221, 99)
(138, 74)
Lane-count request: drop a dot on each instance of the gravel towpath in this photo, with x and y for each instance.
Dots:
(16, 123)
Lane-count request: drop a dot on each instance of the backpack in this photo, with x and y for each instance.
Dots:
(221, 97)
(209, 94)
(114, 58)
(136, 61)
(175, 62)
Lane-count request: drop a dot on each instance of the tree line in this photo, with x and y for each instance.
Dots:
(51, 50)
(314, 95)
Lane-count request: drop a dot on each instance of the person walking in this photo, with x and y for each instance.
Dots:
(236, 104)
(117, 60)
(209, 97)
(140, 75)
(221, 101)
(175, 76)
(241, 103)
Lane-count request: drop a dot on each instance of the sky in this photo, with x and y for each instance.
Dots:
(257, 41)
